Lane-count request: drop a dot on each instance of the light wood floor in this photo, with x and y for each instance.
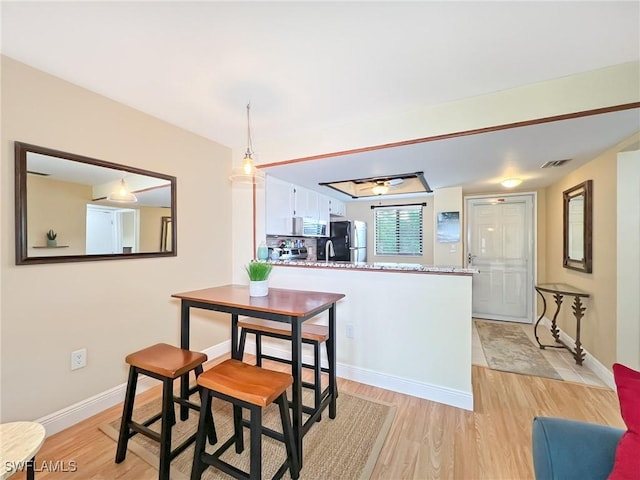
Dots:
(427, 440)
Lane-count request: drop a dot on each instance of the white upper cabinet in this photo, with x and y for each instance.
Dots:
(305, 203)
(337, 208)
(284, 200)
(324, 209)
(279, 206)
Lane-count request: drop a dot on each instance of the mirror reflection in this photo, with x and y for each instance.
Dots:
(97, 210)
(577, 227)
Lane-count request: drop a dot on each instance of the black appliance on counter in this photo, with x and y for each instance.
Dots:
(349, 241)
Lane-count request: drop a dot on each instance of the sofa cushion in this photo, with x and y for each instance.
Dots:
(627, 460)
(566, 449)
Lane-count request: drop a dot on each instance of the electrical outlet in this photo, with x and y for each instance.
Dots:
(350, 330)
(79, 359)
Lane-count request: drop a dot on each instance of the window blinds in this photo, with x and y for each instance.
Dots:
(398, 230)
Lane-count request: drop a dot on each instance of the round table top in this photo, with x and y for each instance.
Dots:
(19, 442)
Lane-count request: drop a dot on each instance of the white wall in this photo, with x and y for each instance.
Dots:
(447, 200)
(628, 276)
(111, 308)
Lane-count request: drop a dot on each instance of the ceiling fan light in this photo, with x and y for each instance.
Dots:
(511, 182)
(380, 189)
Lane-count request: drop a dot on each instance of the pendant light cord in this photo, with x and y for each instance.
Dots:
(249, 144)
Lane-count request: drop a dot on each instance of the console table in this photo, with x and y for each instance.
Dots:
(559, 290)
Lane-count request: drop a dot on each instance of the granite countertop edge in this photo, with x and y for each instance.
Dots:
(375, 267)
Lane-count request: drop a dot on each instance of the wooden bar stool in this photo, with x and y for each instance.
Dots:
(311, 334)
(166, 363)
(251, 387)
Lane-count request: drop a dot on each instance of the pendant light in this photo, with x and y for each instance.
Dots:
(122, 194)
(247, 173)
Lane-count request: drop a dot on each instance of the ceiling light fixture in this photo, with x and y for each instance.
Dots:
(380, 188)
(511, 182)
(247, 173)
(122, 194)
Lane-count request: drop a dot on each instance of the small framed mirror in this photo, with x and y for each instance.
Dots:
(577, 227)
(71, 208)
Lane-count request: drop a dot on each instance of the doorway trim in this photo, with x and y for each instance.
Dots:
(532, 301)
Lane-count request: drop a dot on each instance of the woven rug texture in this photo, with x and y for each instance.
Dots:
(344, 448)
(508, 348)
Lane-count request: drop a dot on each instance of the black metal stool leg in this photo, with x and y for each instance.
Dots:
(31, 473)
(127, 412)
(332, 365)
(211, 428)
(168, 414)
(256, 442)
(317, 370)
(243, 341)
(205, 406)
(258, 349)
(237, 428)
(289, 442)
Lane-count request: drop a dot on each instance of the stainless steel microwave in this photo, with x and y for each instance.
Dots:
(309, 227)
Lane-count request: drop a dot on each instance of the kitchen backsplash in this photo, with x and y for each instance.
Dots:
(309, 243)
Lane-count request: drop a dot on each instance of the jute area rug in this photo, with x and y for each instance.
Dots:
(508, 348)
(344, 448)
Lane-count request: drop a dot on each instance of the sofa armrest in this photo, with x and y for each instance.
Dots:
(569, 449)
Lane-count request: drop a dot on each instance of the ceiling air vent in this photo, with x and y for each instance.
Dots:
(555, 163)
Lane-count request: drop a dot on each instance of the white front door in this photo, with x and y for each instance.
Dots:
(500, 244)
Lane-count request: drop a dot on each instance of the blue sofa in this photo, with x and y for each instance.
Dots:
(569, 449)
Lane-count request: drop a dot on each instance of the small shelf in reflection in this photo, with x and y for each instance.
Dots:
(46, 246)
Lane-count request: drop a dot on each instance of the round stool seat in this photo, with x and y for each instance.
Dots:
(19, 442)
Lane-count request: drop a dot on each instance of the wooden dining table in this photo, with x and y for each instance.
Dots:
(281, 305)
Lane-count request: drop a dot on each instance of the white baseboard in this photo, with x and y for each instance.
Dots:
(434, 393)
(592, 363)
(69, 416)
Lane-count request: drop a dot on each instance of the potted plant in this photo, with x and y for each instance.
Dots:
(51, 238)
(258, 278)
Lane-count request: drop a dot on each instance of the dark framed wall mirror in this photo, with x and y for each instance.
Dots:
(577, 226)
(94, 209)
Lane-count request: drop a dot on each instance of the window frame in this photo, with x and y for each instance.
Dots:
(398, 210)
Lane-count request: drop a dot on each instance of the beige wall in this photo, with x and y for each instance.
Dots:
(599, 324)
(61, 207)
(109, 307)
(362, 211)
(150, 227)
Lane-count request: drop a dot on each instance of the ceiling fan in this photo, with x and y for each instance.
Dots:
(381, 186)
(387, 184)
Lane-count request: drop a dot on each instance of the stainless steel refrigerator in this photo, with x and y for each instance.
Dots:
(349, 241)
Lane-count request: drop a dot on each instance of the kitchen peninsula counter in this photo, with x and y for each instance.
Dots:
(407, 330)
(377, 267)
